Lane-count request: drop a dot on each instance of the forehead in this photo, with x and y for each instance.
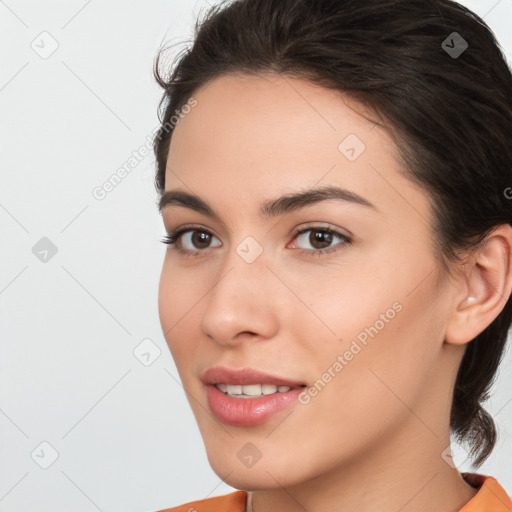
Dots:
(265, 135)
(271, 114)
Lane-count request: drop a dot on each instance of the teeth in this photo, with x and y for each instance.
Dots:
(234, 390)
(251, 390)
(268, 389)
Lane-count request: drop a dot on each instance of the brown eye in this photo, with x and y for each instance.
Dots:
(191, 242)
(196, 239)
(320, 240)
(200, 239)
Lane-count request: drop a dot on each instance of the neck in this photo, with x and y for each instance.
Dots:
(405, 474)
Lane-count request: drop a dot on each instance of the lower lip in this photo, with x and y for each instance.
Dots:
(246, 412)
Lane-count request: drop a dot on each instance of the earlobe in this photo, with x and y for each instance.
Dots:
(486, 284)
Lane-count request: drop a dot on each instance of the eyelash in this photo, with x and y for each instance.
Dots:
(173, 239)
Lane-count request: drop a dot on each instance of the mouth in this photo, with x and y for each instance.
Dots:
(247, 397)
(253, 390)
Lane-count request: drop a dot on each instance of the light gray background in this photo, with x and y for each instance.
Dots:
(124, 434)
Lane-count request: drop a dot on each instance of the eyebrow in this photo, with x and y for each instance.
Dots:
(271, 208)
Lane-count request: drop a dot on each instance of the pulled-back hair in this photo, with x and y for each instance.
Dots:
(449, 113)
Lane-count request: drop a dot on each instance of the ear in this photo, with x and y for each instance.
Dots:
(484, 287)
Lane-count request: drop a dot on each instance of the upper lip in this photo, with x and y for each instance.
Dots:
(244, 376)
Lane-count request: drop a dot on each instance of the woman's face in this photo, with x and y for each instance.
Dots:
(361, 321)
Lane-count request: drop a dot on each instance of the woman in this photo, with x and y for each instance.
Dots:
(335, 292)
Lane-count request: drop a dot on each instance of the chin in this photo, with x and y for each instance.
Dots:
(264, 474)
(254, 480)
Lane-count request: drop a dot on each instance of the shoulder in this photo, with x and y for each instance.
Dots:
(232, 502)
(491, 496)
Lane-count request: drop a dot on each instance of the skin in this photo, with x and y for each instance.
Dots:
(375, 433)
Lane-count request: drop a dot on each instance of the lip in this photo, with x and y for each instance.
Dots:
(247, 412)
(243, 376)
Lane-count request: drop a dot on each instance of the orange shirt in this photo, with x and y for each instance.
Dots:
(491, 497)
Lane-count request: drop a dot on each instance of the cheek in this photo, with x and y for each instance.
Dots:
(364, 294)
(179, 310)
(358, 401)
(366, 337)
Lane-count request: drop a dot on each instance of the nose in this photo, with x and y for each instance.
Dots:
(242, 304)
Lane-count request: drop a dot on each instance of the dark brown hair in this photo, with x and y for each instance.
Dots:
(449, 112)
